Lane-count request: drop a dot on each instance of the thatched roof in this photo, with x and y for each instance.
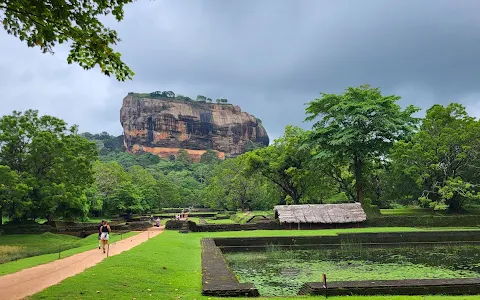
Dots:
(321, 213)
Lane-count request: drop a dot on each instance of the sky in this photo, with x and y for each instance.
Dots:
(270, 57)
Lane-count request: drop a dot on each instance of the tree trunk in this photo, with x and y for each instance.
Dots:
(358, 165)
(296, 199)
(455, 206)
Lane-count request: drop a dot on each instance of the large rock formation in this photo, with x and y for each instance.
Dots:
(163, 126)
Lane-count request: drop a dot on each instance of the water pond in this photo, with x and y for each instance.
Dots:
(278, 272)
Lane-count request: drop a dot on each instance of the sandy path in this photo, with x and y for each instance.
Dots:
(33, 280)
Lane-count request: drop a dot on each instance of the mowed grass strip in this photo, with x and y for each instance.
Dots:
(34, 244)
(17, 246)
(169, 267)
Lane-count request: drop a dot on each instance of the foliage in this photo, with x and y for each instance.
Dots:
(106, 143)
(230, 188)
(210, 157)
(288, 165)
(184, 156)
(358, 126)
(250, 146)
(128, 160)
(442, 158)
(51, 161)
(48, 23)
(13, 192)
(164, 94)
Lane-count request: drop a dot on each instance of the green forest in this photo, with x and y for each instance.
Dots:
(362, 146)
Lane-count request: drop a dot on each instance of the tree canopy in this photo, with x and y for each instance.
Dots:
(442, 158)
(45, 24)
(358, 125)
(50, 161)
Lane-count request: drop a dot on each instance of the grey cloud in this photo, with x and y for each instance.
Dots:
(269, 57)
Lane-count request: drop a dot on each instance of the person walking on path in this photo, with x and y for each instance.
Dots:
(105, 229)
(158, 222)
(100, 234)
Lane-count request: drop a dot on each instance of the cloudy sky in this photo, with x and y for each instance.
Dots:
(268, 56)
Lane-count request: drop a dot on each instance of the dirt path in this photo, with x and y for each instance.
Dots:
(33, 280)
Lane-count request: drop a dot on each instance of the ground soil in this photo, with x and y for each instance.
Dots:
(33, 280)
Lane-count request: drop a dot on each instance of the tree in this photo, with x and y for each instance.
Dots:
(168, 192)
(209, 100)
(201, 98)
(358, 126)
(442, 158)
(183, 156)
(147, 186)
(108, 177)
(55, 161)
(13, 192)
(62, 169)
(127, 199)
(218, 100)
(210, 157)
(48, 23)
(287, 164)
(229, 187)
(188, 187)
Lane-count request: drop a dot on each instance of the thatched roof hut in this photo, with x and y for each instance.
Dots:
(322, 214)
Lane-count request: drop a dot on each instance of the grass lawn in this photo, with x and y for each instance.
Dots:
(241, 218)
(407, 211)
(18, 246)
(169, 267)
(220, 221)
(208, 220)
(47, 244)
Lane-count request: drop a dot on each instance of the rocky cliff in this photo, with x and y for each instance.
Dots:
(163, 126)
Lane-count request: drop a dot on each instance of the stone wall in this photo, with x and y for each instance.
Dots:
(423, 221)
(452, 286)
(176, 225)
(77, 230)
(366, 239)
(217, 279)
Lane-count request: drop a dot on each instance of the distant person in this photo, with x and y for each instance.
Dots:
(105, 229)
(151, 219)
(100, 234)
(158, 222)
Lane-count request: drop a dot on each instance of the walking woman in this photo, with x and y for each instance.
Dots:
(105, 234)
(100, 234)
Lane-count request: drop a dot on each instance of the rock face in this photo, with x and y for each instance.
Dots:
(163, 126)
